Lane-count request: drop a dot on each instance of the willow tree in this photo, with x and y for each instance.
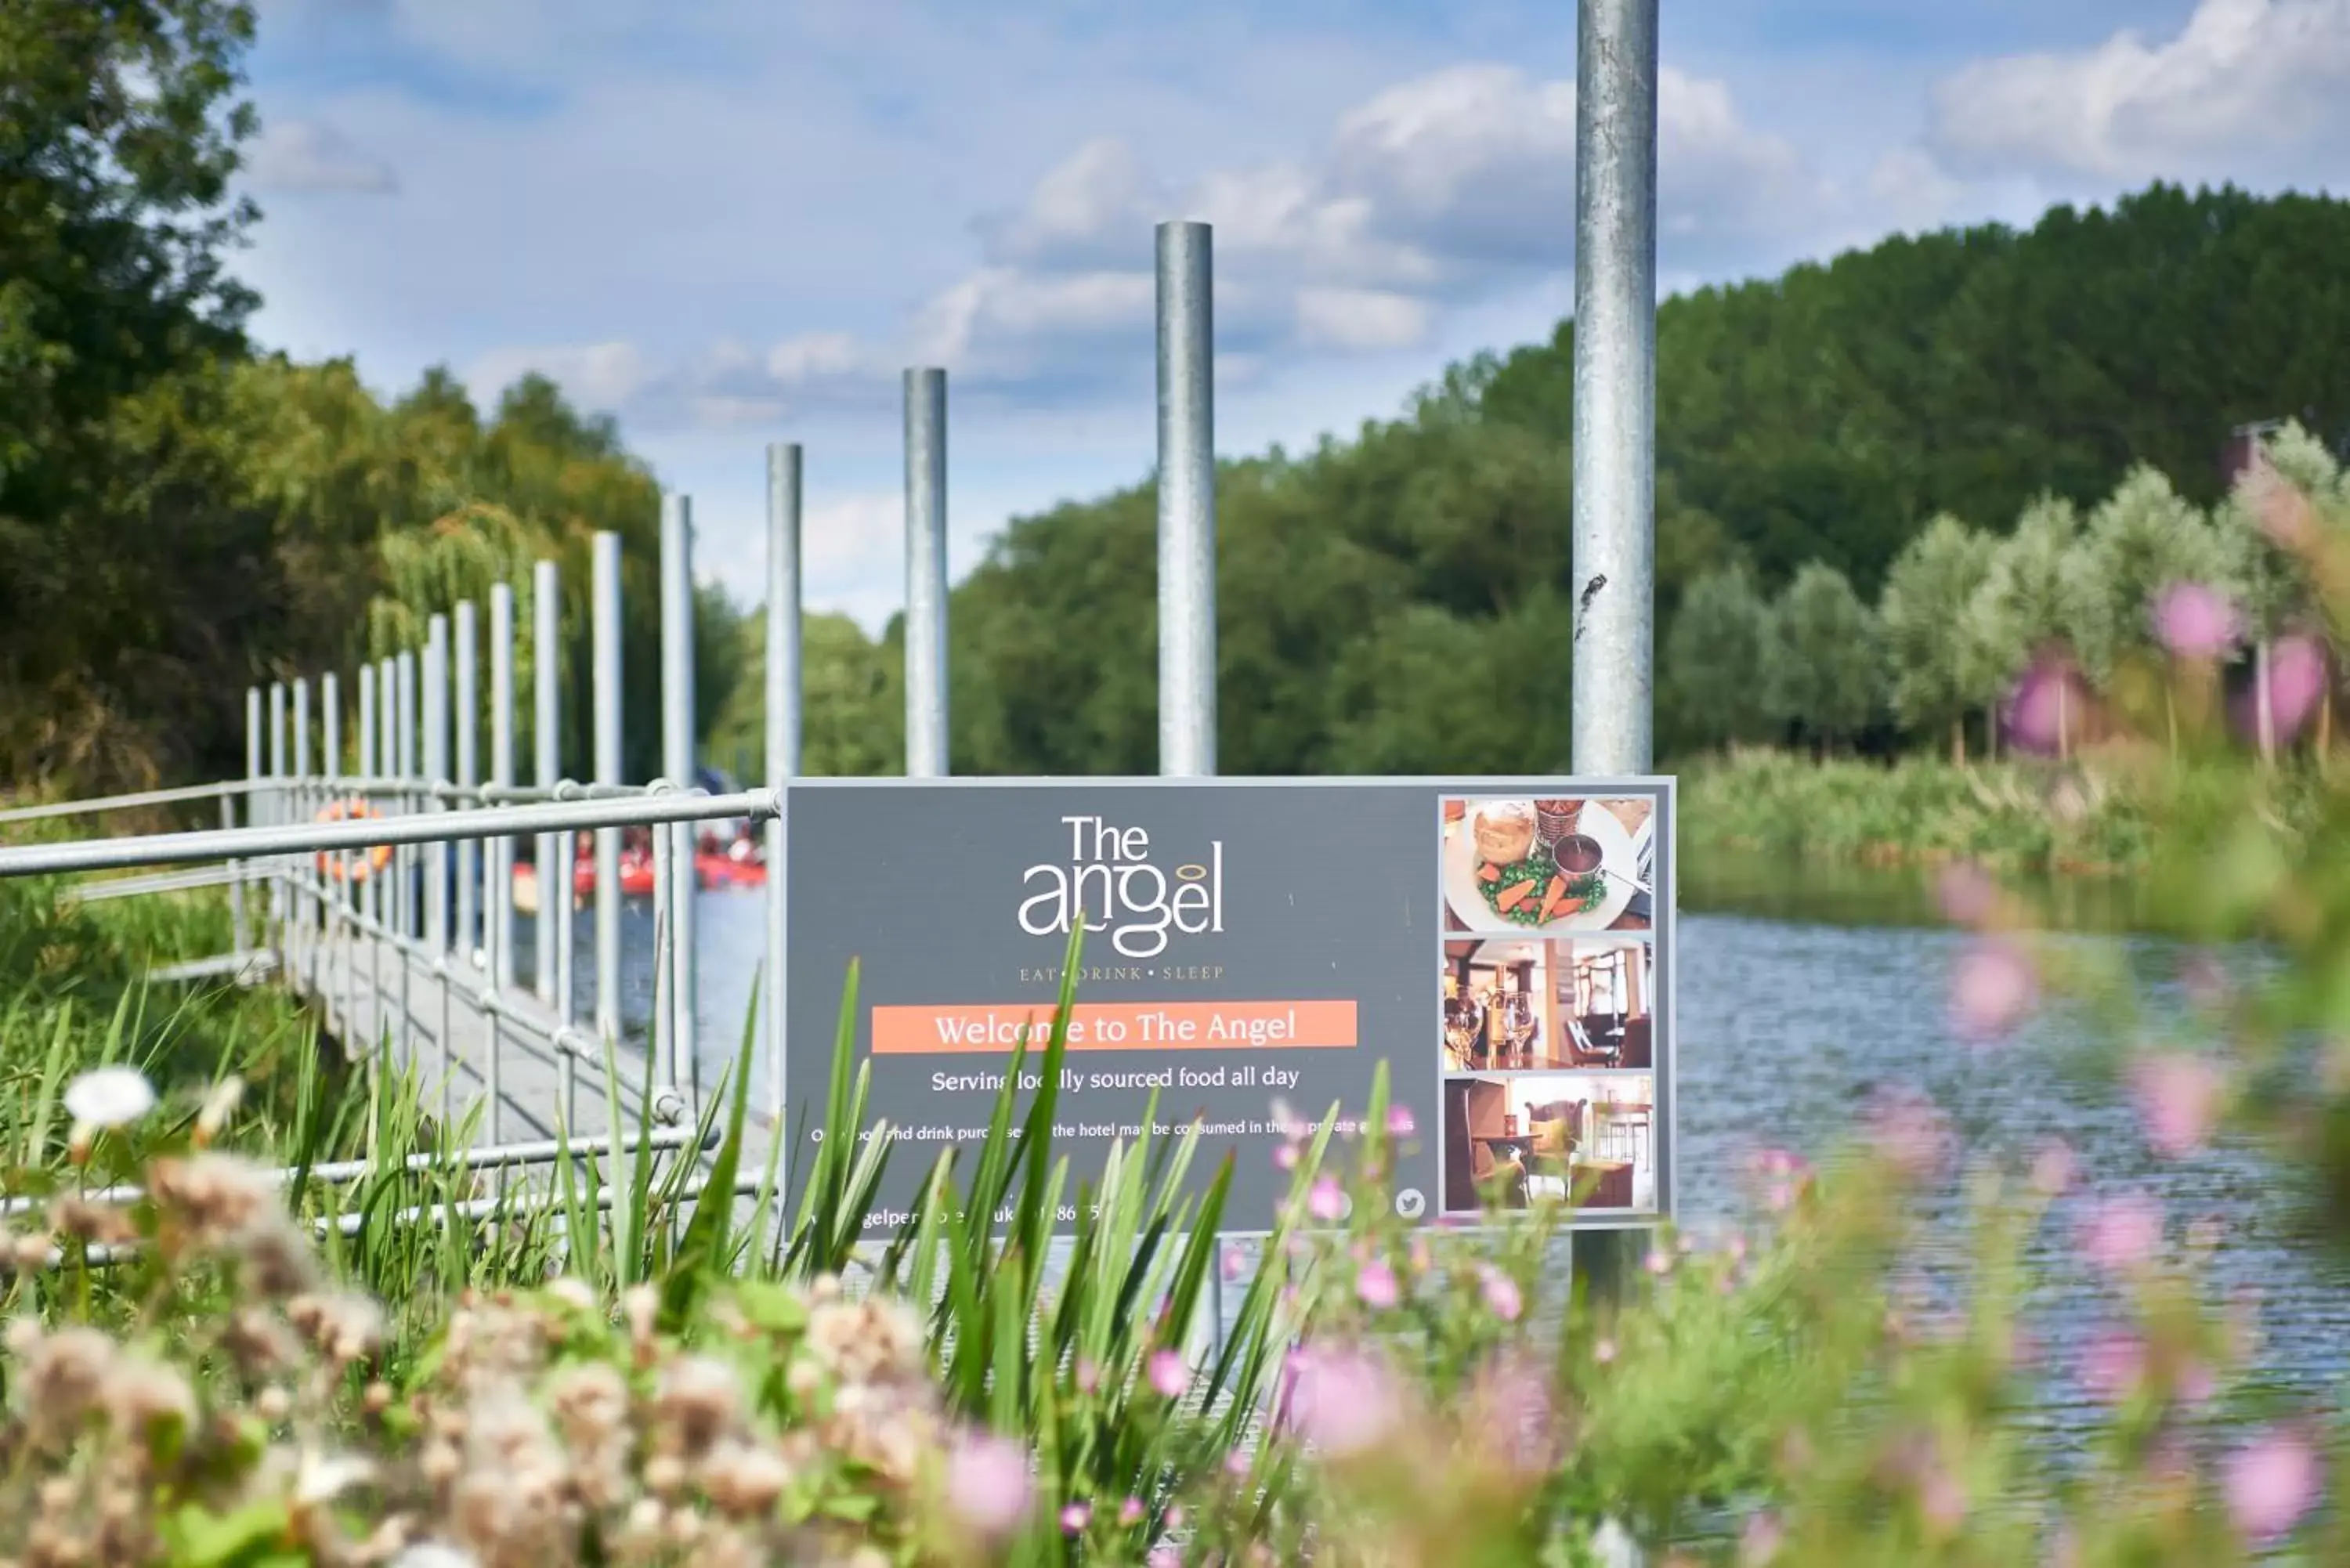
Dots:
(1938, 675)
(2023, 608)
(2274, 587)
(1820, 669)
(2141, 540)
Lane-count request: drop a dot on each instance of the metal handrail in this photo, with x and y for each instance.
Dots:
(366, 833)
(342, 1172)
(177, 794)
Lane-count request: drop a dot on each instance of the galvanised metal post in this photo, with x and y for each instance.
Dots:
(370, 896)
(546, 744)
(436, 870)
(604, 594)
(1615, 425)
(467, 711)
(405, 668)
(677, 761)
(502, 774)
(1187, 502)
(436, 770)
(278, 816)
(1615, 384)
(926, 573)
(664, 1017)
(1187, 527)
(501, 853)
(251, 814)
(330, 713)
(387, 703)
(783, 729)
(299, 806)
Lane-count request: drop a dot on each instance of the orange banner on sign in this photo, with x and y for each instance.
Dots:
(1117, 1026)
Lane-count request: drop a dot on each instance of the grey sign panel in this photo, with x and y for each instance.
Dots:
(1253, 947)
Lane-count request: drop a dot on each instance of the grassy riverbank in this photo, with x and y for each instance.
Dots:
(2089, 817)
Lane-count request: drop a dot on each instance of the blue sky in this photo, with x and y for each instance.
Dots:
(729, 222)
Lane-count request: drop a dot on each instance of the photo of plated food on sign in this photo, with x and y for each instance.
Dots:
(1527, 864)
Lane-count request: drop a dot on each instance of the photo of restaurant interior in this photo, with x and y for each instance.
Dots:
(1547, 1006)
(1591, 1137)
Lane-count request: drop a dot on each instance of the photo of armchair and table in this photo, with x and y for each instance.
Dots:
(1587, 1137)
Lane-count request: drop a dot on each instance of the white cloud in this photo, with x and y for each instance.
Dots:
(1426, 195)
(301, 156)
(2243, 77)
(1360, 319)
(601, 376)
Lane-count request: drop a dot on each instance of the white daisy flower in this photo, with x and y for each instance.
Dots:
(110, 1097)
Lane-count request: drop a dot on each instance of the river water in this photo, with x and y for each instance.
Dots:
(1798, 997)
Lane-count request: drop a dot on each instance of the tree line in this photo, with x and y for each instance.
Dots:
(1963, 611)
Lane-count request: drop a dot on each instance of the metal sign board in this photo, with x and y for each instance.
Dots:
(1255, 948)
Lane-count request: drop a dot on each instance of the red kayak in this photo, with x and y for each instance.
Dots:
(712, 871)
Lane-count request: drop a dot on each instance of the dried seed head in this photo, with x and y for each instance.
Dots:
(343, 1325)
(745, 1479)
(139, 1393)
(99, 1224)
(698, 1400)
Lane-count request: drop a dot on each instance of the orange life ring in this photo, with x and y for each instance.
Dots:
(370, 861)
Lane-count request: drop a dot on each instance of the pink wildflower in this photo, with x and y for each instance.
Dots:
(2195, 620)
(1502, 1298)
(1399, 1122)
(2124, 1232)
(2271, 1483)
(2053, 1168)
(1325, 1200)
(1163, 1557)
(2178, 1098)
(1285, 1157)
(1075, 1517)
(1375, 1282)
(1343, 1401)
(1992, 986)
(2042, 708)
(1760, 1541)
(1168, 1373)
(1235, 1264)
(1130, 1512)
(987, 1484)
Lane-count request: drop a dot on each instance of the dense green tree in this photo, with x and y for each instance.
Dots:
(133, 569)
(852, 715)
(1939, 673)
(1712, 656)
(1822, 671)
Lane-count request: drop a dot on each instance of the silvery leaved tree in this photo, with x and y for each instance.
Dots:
(2270, 579)
(1822, 670)
(2020, 608)
(1938, 675)
(2142, 539)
